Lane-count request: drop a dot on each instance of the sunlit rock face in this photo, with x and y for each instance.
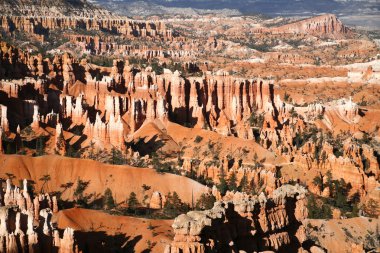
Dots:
(19, 216)
(243, 222)
(325, 25)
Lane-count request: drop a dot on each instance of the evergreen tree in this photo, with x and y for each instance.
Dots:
(40, 146)
(255, 157)
(174, 205)
(243, 185)
(9, 149)
(117, 157)
(252, 187)
(329, 180)
(341, 194)
(91, 154)
(317, 210)
(145, 188)
(312, 207)
(205, 202)
(79, 196)
(169, 208)
(108, 201)
(371, 208)
(222, 186)
(133, 203)
(45, 179)
(325, 212)
(176, 201)
(70, 151)
(317, 181)
(232, 182)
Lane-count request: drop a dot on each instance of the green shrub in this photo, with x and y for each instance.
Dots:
(198, 139)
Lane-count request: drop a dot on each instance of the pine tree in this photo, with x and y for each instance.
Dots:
(232, 182)
(316, 211)
(70, 152)
(252, 187)
(255, 157)
(117, 157)
(243, 186)
(40, 146)
(174, 205)
(317, 181)
(145, 188)
(92, 153)
(222, 186)
(371, 208)
(205, 201)
(329, 180)
(132, 202)
(108, 201)
(79, 196)
(45, 179)
(177, 203)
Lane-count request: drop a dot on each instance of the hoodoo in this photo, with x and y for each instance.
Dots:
(184, 128)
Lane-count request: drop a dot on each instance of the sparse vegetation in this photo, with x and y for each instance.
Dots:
(80, 198)
(174, 205)
(198, 139)
(205, 202)
(108, 200)
(133, 203)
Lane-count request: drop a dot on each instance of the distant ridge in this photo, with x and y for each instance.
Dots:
(50, 7)
(327, 24)
(47, 3)
(145, 8)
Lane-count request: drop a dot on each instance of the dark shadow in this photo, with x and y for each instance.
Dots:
(147, 147)
(237, 229)
(100, 242)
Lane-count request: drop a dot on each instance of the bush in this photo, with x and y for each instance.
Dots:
(198, 139)
(256, 120)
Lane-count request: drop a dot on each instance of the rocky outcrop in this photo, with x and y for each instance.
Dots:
(60, 144)
(258, 175)
(325, 25)
(157, 201)
(25, 225)
(104, 134)
(245, 223)
(4, 119)
(41, 25)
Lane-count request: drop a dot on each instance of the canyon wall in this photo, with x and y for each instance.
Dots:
(109, 108)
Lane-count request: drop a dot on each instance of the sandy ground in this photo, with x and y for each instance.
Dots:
(176, 137)
(109, 233)
(122, 180)
(337, 235)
